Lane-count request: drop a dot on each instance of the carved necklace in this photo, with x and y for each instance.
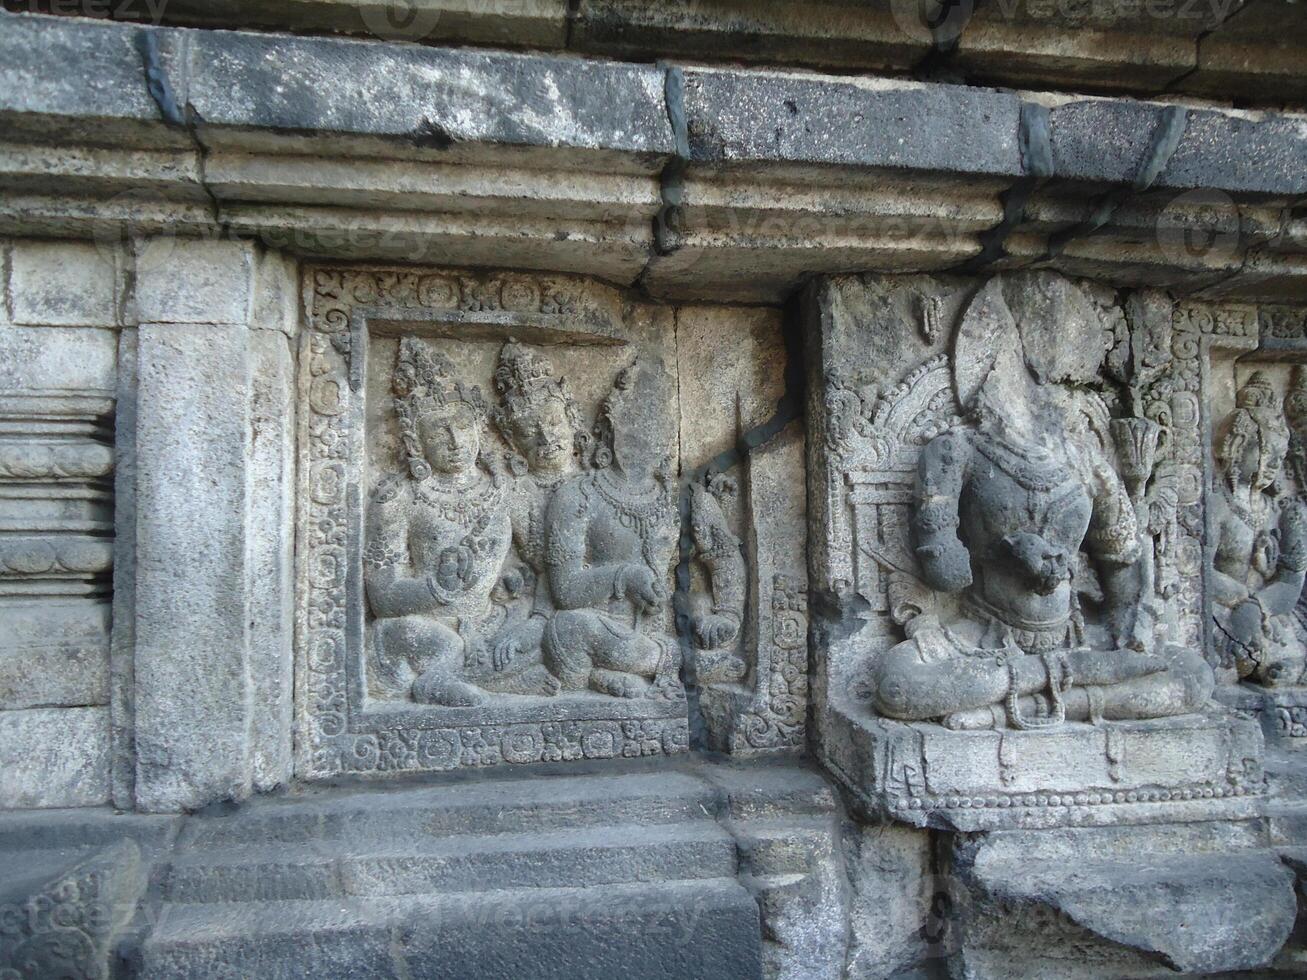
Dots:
(1033, 469)
(466, 506)
(632, 511)
(535, 518)
(641, 516)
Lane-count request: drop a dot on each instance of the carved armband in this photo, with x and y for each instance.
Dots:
(379, 555)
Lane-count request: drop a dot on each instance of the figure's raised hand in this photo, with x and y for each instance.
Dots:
(641, 586)
(714, 630)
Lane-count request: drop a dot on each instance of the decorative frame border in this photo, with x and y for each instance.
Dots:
(337, 731)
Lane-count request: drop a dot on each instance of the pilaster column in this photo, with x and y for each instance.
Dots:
(209, 613)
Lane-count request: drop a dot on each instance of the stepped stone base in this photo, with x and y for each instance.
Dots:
(630, 872)
(1192, 767)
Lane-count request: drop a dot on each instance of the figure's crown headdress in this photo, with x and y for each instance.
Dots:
(525, 379)
(423, 383)
(1257, 392)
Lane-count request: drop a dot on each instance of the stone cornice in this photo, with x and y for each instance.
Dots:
(367, 149)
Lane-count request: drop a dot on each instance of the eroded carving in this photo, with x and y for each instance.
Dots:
(610, 544)
(716, 614)
(1023, 520)
(418, 487)
(1261, 542)
(438, 536)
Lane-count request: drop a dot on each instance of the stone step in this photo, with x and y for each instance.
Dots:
(703, 928)
(465, 807)
(462, 863)
(781, 847)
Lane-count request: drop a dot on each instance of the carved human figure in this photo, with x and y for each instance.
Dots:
(1261, 542)
(437, 537)
(541, 423)
(610, 542)
(1021, 513)
(715, 616)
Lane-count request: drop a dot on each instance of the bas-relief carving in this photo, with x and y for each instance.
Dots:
(515, 562)
(1260, 553)
(1022, 518)
(1009, 537)
(1259, 533)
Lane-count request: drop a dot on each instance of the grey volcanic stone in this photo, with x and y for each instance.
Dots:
(736, 117)
(432, 99)
(191, 653)
(1165, 894)
(1109, 139)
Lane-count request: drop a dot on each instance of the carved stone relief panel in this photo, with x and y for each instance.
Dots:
(1008, 516)
(744, 622)
(488, 524)
(1258, 524)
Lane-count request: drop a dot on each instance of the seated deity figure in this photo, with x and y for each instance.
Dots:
(1017, 508)
(1261, 543)
(610, 542)
(541, 423)
(437, 535)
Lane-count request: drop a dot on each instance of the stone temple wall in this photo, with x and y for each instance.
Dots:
(542, 488)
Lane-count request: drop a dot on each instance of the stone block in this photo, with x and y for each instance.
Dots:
(182, 280)
(757, 117)
(99, 92)
(1122, 902)
(443, 101)
(66, 284)
(1109, 140)
(55, 652)
(191, 623)
(54, 757)
(271, 551)
(68, 358)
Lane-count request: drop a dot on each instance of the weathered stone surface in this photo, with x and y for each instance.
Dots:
(55, 653)
(191, 652)
(1163, 896)
(898, 908)
(525, 23)
(438, 100)
(194, 281)
(52, 757)
(270, 555)
(750, 118)
(381, 881)
(69, 284)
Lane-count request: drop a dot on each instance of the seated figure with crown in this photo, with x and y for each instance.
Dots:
(437, 539)
(1021, 514)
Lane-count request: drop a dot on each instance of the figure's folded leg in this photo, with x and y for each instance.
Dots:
(566, 647)
(433, 652)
